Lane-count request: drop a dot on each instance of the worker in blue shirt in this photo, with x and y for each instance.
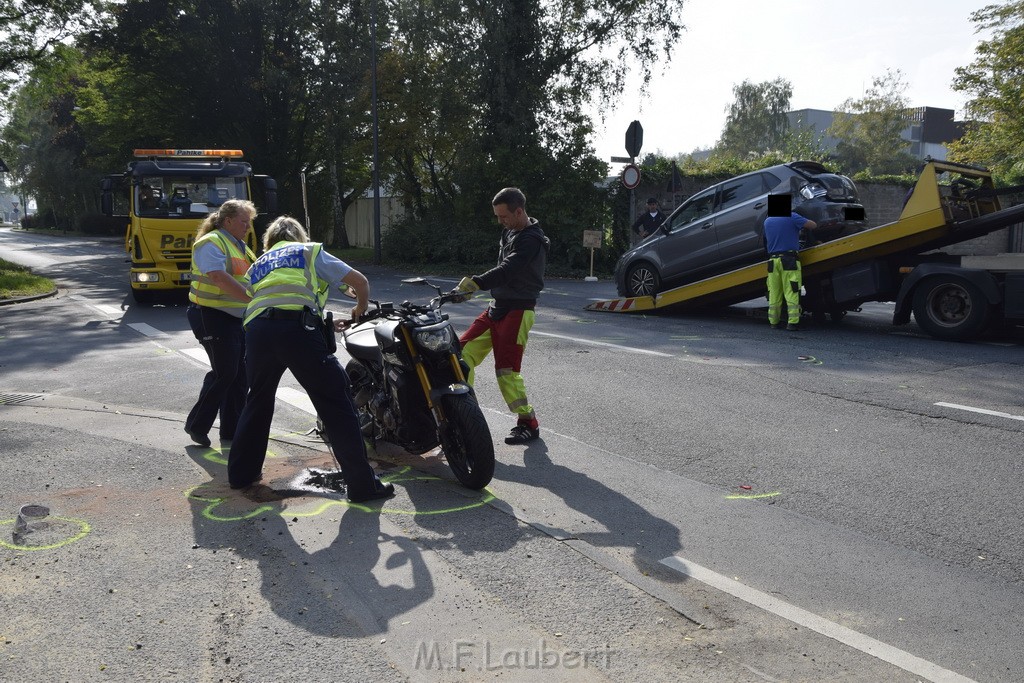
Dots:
(782, 240)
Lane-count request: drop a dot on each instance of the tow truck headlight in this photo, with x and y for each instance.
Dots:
(435, 339)
(145, 277)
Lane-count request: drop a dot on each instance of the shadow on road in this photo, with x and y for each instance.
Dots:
(329, 586)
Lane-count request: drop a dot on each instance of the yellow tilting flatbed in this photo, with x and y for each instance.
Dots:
(892, 262)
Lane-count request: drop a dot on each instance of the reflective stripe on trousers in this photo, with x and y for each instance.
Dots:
(783, 285)
(507, 337)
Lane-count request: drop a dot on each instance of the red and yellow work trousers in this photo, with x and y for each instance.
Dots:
(507, 337)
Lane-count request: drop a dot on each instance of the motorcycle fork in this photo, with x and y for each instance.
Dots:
(421, 372)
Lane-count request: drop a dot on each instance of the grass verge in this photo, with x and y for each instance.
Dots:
(16, 281)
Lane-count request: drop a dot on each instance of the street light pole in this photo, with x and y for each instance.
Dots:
(377, 258)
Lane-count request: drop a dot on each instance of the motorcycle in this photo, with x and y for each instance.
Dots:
(409, 384)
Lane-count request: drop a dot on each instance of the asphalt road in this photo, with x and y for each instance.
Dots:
(711, 500)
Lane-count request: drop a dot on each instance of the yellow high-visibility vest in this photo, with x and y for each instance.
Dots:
(204, 292)
(285, 277)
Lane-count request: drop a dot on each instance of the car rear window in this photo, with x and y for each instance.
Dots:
(741, 189)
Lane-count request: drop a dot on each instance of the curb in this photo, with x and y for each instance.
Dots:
(26, 299)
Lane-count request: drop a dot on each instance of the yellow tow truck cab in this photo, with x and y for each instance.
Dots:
(169, 193)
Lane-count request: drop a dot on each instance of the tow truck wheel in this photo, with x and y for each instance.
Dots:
(642, 280)
(143, 297)
(951, 308)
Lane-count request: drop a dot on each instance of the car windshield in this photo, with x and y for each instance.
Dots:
(184, 197)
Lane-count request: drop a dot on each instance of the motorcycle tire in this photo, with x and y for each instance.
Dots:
(467, 443)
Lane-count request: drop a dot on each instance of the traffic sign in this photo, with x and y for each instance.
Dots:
(630, 176)
(634, 139)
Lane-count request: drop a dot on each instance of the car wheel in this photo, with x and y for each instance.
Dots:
(642, 280)
(951, 308)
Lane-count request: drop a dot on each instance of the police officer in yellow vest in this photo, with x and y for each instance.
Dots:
(219, 294)
(284, 330)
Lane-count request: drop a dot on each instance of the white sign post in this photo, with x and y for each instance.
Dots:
(591, 239)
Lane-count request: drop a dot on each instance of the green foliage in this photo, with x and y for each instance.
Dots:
(31, 29)
(471, 98)
(756, 122)
(44, 144)
(869, 128)
(993, 80)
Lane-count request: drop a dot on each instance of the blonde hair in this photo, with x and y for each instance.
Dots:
(284, 228)
(228, 209)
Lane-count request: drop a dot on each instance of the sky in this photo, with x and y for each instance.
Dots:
(829, 51)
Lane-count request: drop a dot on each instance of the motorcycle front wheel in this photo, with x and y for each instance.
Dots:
(466, 441)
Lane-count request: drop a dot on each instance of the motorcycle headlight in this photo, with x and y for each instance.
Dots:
(436, 339)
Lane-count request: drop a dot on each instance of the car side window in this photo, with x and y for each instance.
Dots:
(697, 207)
(741, 189)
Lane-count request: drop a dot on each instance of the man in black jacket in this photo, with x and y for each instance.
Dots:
(515, 283)
(648, 222)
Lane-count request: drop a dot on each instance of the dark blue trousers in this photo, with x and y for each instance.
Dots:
(273, 346)
(223, 388)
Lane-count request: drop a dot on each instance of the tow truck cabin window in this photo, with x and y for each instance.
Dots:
(184, 197)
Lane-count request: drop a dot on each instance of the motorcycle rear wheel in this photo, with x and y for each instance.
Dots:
(467, 443)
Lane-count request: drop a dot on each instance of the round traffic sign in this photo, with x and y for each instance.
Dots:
(630, 176)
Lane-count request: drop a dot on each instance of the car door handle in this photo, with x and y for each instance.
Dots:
(759, 205)
(707, 225)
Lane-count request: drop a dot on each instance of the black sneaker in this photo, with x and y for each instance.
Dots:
(522, 433)
(792, 327)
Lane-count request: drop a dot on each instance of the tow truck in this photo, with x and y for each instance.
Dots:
(952, 297)
(170, 192)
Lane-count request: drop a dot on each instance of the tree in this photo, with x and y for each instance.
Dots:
(756, 122)
(870, 128)
(44, 141)
(996, 136)
(31, 29)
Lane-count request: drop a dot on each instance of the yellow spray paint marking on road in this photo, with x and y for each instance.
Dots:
(213, 502)
(752, 496)
(219, 455)
(811, 360)
(83, 530)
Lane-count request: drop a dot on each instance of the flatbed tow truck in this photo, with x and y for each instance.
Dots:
(952, 297)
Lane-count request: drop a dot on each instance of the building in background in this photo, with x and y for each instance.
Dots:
(929, 129)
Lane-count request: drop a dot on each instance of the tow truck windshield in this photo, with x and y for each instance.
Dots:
(185, 197)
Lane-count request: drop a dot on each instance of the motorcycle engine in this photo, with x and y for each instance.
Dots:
(385, 410)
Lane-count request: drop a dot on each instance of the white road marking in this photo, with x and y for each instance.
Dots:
(197, 354)
(148, 330)
(983, 411)
(113, 311)
(629, 349)
(296, 398)
(292, 397)
(859, 641)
